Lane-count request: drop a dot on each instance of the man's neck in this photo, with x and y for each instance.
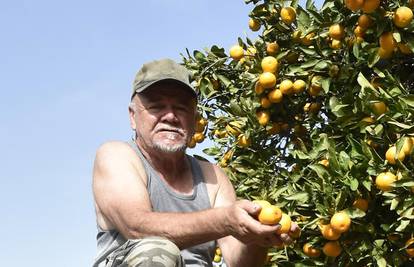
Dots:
(171, 165)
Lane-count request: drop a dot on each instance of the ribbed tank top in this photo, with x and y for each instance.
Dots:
(164, 199)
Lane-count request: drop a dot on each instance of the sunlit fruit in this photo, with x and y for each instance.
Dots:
(258, 88)
(336, 31)
(359, 31)
(391, 155)
(218, 251)
(269, 64)
(332, 249)
(217, 258)
(384, 53)
(370, 6)
(354, 5)
(228, 155)
(403, 17)
(364, 21)
(308, 39)
(288, 15)
(275, 96)
(341, 222)
(200, 124)
(286, 87)
(385, 180)
(387, 42)
(220, 133)
(329, 233)
(379, 108)
(267, 80)
(285, 223)
(263, 117)
(254, 24)
(410, 247)
(199, 137)
(311, 251)
(272, 48)
(244, 141)
(270, 215)
(232, 130)
(324, 162)
(368, 120)
(236, 52)
(192, 143)
(299, 86)
(311, 107)
(265, 102)
(314, 90)
(296, 36)
(360, 203)
(336, 44)
(407, 147)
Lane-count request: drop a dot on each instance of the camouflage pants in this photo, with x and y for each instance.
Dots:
(147, 252)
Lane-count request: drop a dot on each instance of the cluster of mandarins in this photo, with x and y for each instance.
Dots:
(401, 17)
(198, 136)
(385, 180)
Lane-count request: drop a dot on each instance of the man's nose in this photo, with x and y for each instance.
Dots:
(170, 115)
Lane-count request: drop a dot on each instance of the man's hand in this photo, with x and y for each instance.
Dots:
(246, 228)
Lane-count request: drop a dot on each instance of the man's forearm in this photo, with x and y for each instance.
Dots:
(184, 229)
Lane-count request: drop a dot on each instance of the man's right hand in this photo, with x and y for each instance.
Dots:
(244, 227)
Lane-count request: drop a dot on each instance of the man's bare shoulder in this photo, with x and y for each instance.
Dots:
(114, 155)
(114, 148)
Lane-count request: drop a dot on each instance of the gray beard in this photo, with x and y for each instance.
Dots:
(164, 148)
(169, 149)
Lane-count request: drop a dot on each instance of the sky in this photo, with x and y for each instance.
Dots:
(66, 73)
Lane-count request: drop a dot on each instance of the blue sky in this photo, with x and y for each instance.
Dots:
(66, 72)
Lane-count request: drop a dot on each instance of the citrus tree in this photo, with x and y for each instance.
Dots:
(316, 117)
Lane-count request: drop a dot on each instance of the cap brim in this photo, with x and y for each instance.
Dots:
(149, 85)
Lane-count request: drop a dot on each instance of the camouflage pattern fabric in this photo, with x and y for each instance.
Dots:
(146, 252)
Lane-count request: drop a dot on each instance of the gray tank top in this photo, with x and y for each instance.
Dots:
(163, 199)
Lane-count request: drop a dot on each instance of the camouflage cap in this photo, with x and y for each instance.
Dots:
(161, 70)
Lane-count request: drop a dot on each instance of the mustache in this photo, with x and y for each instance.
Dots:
(170, 128)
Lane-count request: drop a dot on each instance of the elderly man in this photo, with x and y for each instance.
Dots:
(157, 206)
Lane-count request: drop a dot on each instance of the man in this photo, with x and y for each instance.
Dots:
(157, 206)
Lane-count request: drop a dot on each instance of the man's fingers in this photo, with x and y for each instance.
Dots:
(286, 239)
(251, 208)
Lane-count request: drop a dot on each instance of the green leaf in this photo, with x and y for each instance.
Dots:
(408, 99)
(224, 80)
(199, 55)
(220, 52)
(363, 82)
(301, 197)
(381, 262)
(403, 225)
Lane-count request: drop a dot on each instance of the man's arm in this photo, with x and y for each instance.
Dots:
(119, 185)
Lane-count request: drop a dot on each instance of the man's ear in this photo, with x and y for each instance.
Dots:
(132, 114)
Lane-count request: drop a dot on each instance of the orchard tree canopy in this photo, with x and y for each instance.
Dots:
(316, 116)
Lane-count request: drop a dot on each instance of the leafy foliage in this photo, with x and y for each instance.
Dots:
(365, 105)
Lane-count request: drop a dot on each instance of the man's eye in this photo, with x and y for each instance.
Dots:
(155, 107)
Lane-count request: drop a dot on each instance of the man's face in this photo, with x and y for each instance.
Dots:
(164, 117)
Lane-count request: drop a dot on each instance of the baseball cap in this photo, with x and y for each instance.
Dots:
(161, 70)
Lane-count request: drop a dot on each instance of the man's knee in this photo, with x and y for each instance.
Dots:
(153, 251)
